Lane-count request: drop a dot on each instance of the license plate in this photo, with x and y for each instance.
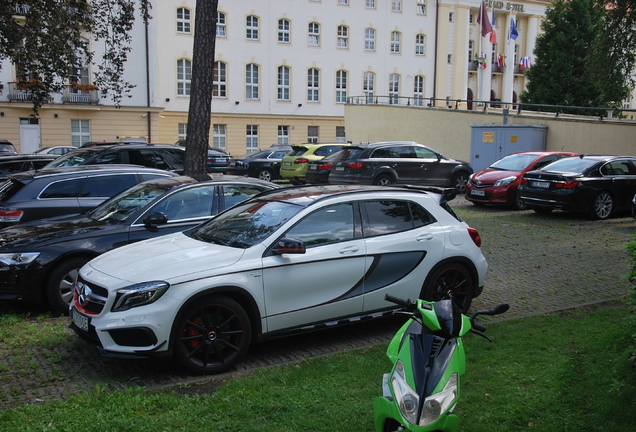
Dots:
(539, 184)
(313, 167)
(287, 163)
(79, 320)
(339, 168)
(477, 192)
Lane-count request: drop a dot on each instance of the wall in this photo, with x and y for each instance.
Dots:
(449, 132)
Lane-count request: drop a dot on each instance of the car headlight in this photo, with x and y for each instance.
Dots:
(505, 181)
(18, 258)
(139, 295)
(407, 399)
(437, 404)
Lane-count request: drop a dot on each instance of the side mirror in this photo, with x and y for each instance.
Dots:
(289, 246)
(155, 219)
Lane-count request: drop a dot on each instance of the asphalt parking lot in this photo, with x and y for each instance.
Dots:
(537, 264)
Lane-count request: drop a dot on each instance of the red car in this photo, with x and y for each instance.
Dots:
(498, 183)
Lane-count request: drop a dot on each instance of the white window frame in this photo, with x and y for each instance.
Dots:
(396, 5)
(221, 29)
(182, 131)
(396, 38)
(219, 135)
(184, 22)
(313, 34)
(369, 4)
(313, 85)
(420, 44)
(219, 80)
(342, 78)
(283, 135)
(343, 2)
(283, 92)
(252, 90)
(394, 88)
(251, 138)
(343, 37)
(313, 134)
(184, 77)
(80, 132)
(369, 39)
(340, 134)
(418, 90)
(284, 31)
(368, 86)
(421, 7)
(251, 28)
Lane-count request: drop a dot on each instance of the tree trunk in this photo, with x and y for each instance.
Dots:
(200, 110)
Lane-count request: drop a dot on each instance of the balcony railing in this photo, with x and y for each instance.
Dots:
(21, 93)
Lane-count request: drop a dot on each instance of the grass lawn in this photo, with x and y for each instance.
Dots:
(565, 371)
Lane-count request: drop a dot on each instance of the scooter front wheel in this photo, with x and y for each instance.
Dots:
(450, 281)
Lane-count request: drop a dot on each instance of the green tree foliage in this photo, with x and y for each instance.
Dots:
(562, 73)
(43, 40)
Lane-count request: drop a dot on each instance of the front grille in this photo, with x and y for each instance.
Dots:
(90, 297)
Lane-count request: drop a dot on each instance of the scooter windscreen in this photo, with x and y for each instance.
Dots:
(449, 317)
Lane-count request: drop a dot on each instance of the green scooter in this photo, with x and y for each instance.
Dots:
(422, 389)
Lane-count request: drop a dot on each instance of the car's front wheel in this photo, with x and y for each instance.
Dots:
(602, 206)
(459, 182)
(212, 335)
(59, 287)
(265, 175)
(450, 281)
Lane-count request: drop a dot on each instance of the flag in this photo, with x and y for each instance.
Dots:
(493, 34)
(514, 33)
(482, 19)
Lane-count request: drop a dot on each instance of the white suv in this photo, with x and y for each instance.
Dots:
(286, 260)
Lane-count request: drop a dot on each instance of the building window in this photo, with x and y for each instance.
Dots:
(451, 17)
(312, 134)
(283, 135)
(184, 77)
(251, 82)
(80, 132)
(314, 34)
(516, 63)
(182, 132)
(341, 86)
(343, 37)
(369, 39)
(220, 25)
(421, 7)
(251, 28)
(370, 4)
(313, 85)
(449, 59)
(183, 20)
(395, 42)
(283, 83)
(394, 88)
(471, 19)
(471, 51)
(396, 5)
(343, 2)
(82, 72)
(284, 33)
(340, 134)
(368, 86)
(251, 138)
(418, 90)
(219, 84)
(493, 55)
(420, 44)
(218, 136)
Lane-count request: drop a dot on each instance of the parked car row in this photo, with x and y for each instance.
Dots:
(596, 185)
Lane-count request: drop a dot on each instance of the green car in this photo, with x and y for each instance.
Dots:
(294, 165)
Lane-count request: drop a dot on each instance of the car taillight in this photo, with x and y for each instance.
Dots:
(474, 234)
(301, 160)
(324, 167)
(10, 215)
(356, 165)
(568, 184)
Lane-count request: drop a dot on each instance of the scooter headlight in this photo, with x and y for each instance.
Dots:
(437, 404)
(407, 399)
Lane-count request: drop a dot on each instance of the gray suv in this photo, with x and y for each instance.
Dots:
(385, 163)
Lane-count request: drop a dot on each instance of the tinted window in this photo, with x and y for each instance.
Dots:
(9, 188)
(171, 159)
(386, 217)
(327, 150)
(573, 164)
(110, 158)
(235, 194)
(619, 167)
(11, 167)
(328, 225)
(351, 153)
(278, 155)
(393, 152)
(108, 185)
(188, 204)
(424, 153)
(63, 189)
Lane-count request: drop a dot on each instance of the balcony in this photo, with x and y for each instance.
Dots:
(17, 92)
(74, 95)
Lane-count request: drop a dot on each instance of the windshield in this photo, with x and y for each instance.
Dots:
(247, 224)
(74, 158)
(121, 206)
(517, 162)
(572, 164)
(351, 153)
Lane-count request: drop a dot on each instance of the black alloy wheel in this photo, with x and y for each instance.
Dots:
(383, 180)
(517, 204)
(265, 175)
(450, 281)
(602, 206)
(212, 335)
(459, 182)
(59, 287)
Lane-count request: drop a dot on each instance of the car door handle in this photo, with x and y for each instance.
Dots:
(424, 237)
(349, 250)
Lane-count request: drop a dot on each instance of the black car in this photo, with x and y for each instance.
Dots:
(7, 148)
(39, 260)
(318, 170)
(217, 160)
(20, 163)
(264, 165)
(596, 185)
(384, 163)
(52, 192)
(165, 157)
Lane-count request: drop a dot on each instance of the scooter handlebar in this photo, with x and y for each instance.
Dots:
(399, 301)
